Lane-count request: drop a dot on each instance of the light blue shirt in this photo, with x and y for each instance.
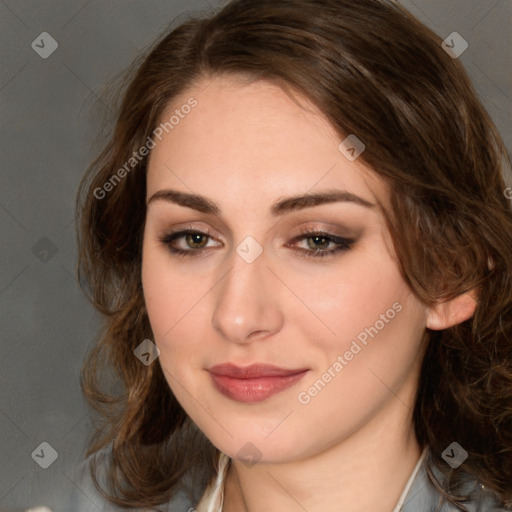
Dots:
(419, 495)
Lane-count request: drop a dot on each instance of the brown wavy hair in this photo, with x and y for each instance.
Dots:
(375, 71)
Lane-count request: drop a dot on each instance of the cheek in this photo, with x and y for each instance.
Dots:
(370, 360)
(339, 306)
(175, 306)
(157, 294)
(167, 303)
(163, 303)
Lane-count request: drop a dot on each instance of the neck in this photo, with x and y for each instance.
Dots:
(366, 471)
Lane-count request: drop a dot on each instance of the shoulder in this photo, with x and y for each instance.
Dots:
(83, 496)
(425, 497)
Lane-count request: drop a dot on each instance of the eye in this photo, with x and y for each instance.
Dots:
(317, 243)
(193, 239)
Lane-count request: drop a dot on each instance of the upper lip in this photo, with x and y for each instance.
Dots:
(252, 371)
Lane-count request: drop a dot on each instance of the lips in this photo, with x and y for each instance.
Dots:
(253, 383)
(252, 371)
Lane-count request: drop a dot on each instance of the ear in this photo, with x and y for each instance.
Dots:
(452, 312)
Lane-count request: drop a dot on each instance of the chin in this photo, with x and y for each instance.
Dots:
(249, 444)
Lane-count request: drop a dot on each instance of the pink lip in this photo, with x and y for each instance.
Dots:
(253, 383)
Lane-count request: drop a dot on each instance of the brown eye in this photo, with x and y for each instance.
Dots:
(319, 242)
(186, 243)
(194, 240)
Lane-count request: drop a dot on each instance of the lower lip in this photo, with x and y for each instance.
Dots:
(256, 389)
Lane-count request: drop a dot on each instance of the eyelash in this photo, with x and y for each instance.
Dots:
(343, 244)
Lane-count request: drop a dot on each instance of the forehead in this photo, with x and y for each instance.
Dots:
(251, 138)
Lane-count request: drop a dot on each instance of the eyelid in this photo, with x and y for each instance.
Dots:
(189, 228)
(309, 229)
(167, 236)
(341, 243)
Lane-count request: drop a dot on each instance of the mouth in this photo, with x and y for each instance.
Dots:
(253, 383)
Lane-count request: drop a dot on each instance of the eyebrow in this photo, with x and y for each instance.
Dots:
(288, 204)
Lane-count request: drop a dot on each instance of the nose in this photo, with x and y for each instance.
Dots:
(247, 302)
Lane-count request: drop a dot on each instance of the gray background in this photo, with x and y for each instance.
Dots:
(49, 120)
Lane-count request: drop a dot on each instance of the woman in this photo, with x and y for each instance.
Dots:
(300, 237)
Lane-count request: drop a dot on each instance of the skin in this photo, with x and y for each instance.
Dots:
(245, 146)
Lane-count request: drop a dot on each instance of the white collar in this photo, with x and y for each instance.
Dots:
(213, 497)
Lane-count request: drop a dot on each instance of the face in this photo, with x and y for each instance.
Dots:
(246, 276)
